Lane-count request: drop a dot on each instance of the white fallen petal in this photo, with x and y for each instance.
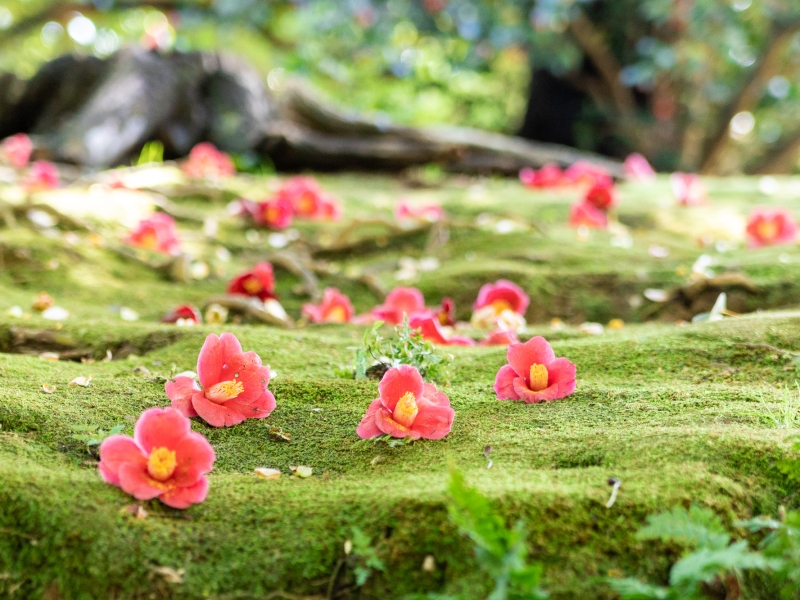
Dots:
(55, 313)
(128, 314)
(81, 381)
(264, 473)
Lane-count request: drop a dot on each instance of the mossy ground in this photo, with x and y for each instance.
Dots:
(699, 413)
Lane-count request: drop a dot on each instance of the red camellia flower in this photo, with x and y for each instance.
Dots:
(446, 314)
(688, 188)
(16, 150)
(334, 308)
(329, 209)
(549, 176)
(164, 459)
(308, 200)
(601, 195)
(260, 282)
(43, 175)
(407, 407)
(500, 337)
(583, 214)
(185, 314)
(157, 233)
(638, 169)
(431, 330)
(234, 385)
(583, 172)
(771, 226)
(430, 212)
(502, 295)
(534, 374)
(206, 161)
(401, 301)
(276, 213)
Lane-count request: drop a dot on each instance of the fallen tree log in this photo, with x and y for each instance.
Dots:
(180, 99)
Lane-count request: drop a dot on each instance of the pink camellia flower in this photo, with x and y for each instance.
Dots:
(433, 331)
(276, 213)
(601, 195)
(638, 169)
(446, 314)
(234, 385)
(500, 337)
(157, 233)
(329, 209)
(583, 172)
(164, 459)
(407, 407)
(304, 193)
(502, 295)
(688, 188)
(206, 161)
(583, 214)
(185, 314)
(430, 212)
(771, 226)
(401, 301)
(334, 308)
(16, 150)
(259, 282)
(549, 176)
(43, 175)
(534, 374)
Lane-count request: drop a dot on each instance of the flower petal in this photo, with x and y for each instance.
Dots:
(433, 422)
(385, 422)
(183, 497)
(195, 457)
(216, 415)
(535, 351)
(434, 396)
(504, 383)
(115, 451)
(134, 480)
(180, 392)
(160, 427)
(552, 392)
(367, 428)
(210, 361)
(398, 381)
(246, 368)
(256, 409)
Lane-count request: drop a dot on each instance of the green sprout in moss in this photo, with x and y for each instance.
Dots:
(93, 436)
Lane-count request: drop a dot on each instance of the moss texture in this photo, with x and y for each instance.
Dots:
(686, 414)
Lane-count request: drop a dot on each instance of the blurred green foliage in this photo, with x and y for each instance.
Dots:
(689, 68)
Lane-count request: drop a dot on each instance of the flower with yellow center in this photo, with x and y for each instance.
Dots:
(252, 285)
(500, 305)
(539, 377)
(337, 314)
(224, 391)
(768, 230)
(149, 240)
(406, 410)
(161, 464)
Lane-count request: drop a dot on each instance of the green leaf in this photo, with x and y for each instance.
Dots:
(705, 564)
(699, 527)
(633, 589)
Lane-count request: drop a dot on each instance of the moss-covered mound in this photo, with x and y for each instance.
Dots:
(699, 413)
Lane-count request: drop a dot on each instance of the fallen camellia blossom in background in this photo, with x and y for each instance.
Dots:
(549, 176)
(399, 303)
(583, 214)
(259, 282)
(206, 161)
(164, 459)
(534, 374)
(638, 169)
(770, 227)
(688, 188)
(583, 172)
(16, 150)
(500, 302)
(500, 337)
(43, 175)
(407, 408)
(308, 200)
(276, 213)
(157, 233)
(430, 212)
(601, 195)
(234, 385)
(432, 331)
(447, 312)
(183, 315)
(335, 307)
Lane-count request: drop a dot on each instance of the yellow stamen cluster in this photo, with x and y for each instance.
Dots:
(539, 377)
(161, 464)
(406, 410)
(224, 391)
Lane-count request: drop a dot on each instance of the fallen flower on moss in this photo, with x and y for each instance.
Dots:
(430, 212)
(638, 169)
(276, 213)
(234, 385)
(770, 227)
(601, 195)
(583, 214)
(183, 315)
(688, 188)
(431, 330)
(534, 374)
(407, 408)
(157, 233)
(335, 307)
(43, 175)
(500, 337)
(308, 200)
(164, 459)
(259, 282)
(16, 150)
(549, 176)
(205, 160)
(400, 302)
(502, 301)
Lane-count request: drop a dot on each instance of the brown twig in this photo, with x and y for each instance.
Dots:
(769, 347)
(251, 307)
